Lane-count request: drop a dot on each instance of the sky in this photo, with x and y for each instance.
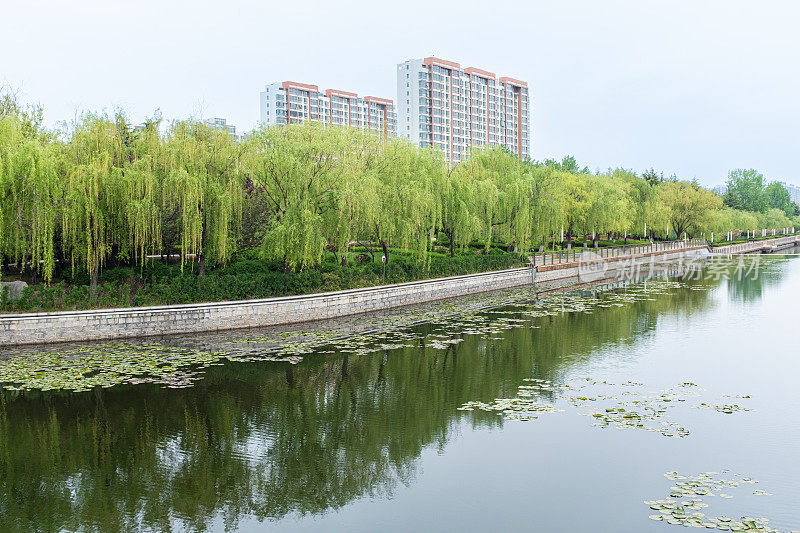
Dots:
(693, 88)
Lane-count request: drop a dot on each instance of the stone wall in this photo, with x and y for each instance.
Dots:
(766, 246)
(605, 268)
(68, 326)
(35, 328)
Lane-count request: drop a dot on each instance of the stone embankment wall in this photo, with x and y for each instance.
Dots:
(767, 246)
(611, 267)
(162, 320)
(68, 326)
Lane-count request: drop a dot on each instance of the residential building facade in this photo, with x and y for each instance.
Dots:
(290, 102)
(794, 191)
(453, 109)
(221, 124)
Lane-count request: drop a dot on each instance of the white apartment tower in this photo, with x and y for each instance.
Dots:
(794, 191)
(221, 124)
(453, 109)
(290, 102)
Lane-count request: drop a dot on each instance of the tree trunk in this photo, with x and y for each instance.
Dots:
(369, 250)
(201, 265)
(385, 251)
(94, 276)
(451, 236)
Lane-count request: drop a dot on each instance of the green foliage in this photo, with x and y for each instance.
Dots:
(105, 194)
(689, 207)
(778, 198)
(746, 190)
(157, 284)
(30, 197)
(202, 182)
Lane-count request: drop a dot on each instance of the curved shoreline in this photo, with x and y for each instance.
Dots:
(105, 324)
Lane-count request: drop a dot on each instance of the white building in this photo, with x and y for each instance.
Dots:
(222, 124)
(444, 106)
(794, 191)
(290, 102)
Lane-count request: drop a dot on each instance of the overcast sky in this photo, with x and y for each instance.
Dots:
(688, 87)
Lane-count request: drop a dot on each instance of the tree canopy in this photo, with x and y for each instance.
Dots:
(103, 190)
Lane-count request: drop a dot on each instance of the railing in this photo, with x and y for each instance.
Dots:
(609, 252)
(752, 246)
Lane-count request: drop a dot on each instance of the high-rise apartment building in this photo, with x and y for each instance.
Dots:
(444, 106)
(794, 191)
(221, 124)
(289, 102)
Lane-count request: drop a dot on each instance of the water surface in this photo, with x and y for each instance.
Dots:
(368, 433)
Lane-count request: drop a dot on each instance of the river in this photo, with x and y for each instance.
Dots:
(564, 413)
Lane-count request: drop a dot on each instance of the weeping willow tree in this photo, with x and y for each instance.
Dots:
(108, 192)
(356, 196)
(576, 199)
(504, 192)
(95, 195)
(721, 221)
(143, 172)
(407, 198)
(459, 219)
(486, 186)
(641, 197)
(30, 197)
(689, 206)
(203, 182)
(298, 170)
(611, 211)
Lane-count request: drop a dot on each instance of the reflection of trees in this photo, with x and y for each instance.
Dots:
(744, 285)
(268, 439)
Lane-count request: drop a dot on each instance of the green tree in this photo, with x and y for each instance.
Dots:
(299, 170)
(95, 197)
(568, 163)
(408, 198)
(652, 177)
(689, 207)
(203, 182)
(30, 197)
(745, 190)
(778, 198)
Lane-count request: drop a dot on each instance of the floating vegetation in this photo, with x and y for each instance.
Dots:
(479, 315)
(488, 316)
(634, 408)
(116, 363)
(519, 408)
(724, 408)
(105, 365)
(686, 500)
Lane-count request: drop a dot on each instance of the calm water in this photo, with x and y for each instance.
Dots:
(370, 440)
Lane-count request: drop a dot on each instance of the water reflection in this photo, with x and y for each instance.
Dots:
(270, 439)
